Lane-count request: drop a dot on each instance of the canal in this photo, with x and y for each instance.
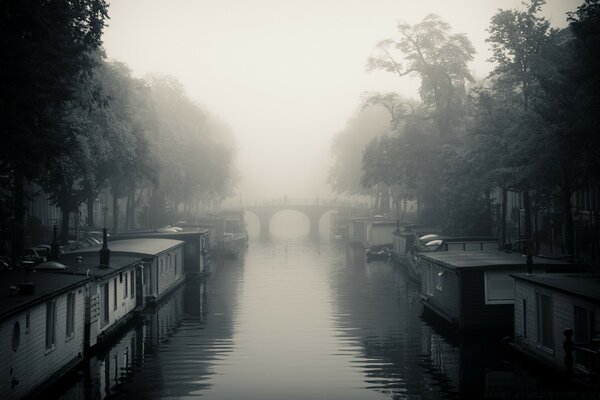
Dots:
(295, 318)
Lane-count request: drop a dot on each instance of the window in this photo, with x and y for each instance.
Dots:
(105, 307)
(545, 333)
(439, 277)
(499, 288)
(115, 297)
(120, 277)
(584, 327)
(175, 262)
(125, 287)
(132, 283)
(429, 271)
(27, 319)
(50, 324)
(524, 319)
(70, 315)
(16, 336)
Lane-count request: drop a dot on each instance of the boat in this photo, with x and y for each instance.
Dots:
(378, 252)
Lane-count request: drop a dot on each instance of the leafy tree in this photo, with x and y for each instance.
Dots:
(439, 58)
(516, 39)
(45, 48)
(347, 149)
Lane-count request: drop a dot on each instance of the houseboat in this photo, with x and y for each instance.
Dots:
(551, 309)
(112, 295)
(41, 329)
(403, 242)
(162, 263)
(473, 290)
(373, 231)
(195, 256)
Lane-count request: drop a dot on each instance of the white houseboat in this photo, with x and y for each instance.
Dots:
(163, 263)
(551, 309)
(41, 329)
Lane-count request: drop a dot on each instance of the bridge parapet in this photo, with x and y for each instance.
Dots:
(294, 202)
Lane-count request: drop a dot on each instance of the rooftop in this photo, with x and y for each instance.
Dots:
(47, 286)
(141, 247)
(89, 263)
(482, 259)
(583, 285)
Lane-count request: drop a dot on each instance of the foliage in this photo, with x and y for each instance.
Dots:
(439, 58)
(348, 146)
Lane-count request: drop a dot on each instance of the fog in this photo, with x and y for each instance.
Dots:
(285, 75)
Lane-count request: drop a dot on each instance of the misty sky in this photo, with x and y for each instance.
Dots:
(285, 74)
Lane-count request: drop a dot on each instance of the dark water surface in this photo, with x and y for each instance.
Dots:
(301, 319)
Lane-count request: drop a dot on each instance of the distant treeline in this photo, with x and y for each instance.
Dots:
(76, 124)
(530, 127)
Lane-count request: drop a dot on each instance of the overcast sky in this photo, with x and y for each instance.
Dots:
(285, 74)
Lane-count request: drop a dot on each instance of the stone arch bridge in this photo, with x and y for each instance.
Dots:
(313, 209)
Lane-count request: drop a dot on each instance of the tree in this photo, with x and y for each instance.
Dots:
(347, 149)
(45, 47)
(516, 38)
(439, 58)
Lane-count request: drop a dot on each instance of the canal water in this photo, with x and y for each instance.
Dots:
(299, 318)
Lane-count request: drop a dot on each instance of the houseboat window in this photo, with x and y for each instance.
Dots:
(439, 277)
(105, 308)
(70, 314)
(524, 319)
(429, 279)
(120, 277)
(175, 262)
(115, 296)
(545, 333)
(50, 324)
(125, 287)
(16, 336)
(27, 319)
(132, 283)
(499, 288)
(583, 329)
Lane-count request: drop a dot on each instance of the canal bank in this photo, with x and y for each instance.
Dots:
(298, 318)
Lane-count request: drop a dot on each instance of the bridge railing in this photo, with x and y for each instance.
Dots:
(294, 202)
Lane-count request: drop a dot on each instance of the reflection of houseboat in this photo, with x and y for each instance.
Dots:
(474, 290)
(196, 245)
(546, 307)
(41, 329)
(163, 263)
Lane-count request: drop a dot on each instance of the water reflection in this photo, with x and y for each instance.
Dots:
(296, 318)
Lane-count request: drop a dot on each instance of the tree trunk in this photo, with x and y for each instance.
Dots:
(527, 204)
(90, 212)
(568, 211)
(64, 223)
(115, 210)
(128, 207)
(503, 238)
(19, 210)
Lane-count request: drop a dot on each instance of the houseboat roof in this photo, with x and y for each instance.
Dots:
(581, 285)
(140, 247)
(186, 231)
(47, 286)
(89, 264)
(484, 259)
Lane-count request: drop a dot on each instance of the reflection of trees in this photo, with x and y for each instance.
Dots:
(380, 313)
